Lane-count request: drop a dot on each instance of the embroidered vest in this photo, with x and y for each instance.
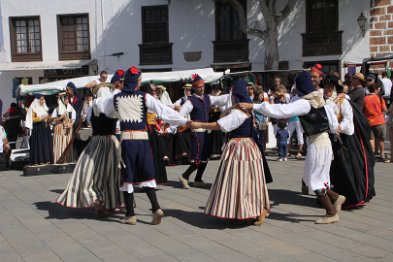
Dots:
(201, 108)
(131, 108)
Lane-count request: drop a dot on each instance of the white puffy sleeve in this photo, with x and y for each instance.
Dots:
(333, 122)
(233, 120)
(164, 112)
(221, 100)
(298, 108)
(186, 108)
(106, 106)
(347, 125)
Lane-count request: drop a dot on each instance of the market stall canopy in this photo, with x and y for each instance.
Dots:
(51, 88)
(43, 65)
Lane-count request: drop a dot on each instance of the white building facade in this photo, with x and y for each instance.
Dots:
(47, 40)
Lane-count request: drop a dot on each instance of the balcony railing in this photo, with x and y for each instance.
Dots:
(230, 51)
(155, 53)
(324, 43)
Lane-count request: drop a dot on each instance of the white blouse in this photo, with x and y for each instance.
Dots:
(300, 107)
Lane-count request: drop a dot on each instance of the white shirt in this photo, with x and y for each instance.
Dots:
(347, 126)
(3, 136)
(170, 116)
(300, 107)
(222, 100)
(233, 120)
(387, 86)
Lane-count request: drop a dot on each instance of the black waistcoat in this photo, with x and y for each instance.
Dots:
(315, 122)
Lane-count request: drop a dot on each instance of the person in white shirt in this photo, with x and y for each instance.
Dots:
(317, 121)
(387, 86)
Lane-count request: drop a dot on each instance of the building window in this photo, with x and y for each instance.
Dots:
(74, 37)
(25, 39)
(156, 48)
(322, 36)
(231, 43)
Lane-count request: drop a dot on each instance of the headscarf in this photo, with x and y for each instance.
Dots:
(239, 92)
(61, 107)
(303, 83)
(40, 111)
(73, 87)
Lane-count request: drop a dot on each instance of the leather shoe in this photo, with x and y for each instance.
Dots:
(130, 220)
(339, 202)
(184, 182)
(157, 216)
(328, 219)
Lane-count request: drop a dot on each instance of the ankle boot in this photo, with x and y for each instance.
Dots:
(331, 213)
(336, 199)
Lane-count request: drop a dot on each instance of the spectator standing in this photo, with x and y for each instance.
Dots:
(63, 118)
(282, 136)
(12, 123)
(389, 127)
(4, 146)
(356, 93)
(37, 119)
(374, 108)
(387, 86)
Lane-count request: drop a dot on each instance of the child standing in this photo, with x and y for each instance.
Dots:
(282, 136)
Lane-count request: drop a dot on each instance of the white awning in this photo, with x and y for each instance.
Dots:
(43, 65)
(207, 74)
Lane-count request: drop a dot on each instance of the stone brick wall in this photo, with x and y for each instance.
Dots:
(381, 28)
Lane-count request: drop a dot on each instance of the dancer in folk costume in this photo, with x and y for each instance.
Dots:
(317, 120)
(37, 120)
(198, 107)
(96, 177)
(131, 106)
(351, 170)
(63, 117)
(239, 190)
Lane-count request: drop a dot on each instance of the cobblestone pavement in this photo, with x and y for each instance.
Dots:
(34, 228)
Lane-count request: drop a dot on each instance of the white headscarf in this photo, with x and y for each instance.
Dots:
(40, 111)
(61, 108)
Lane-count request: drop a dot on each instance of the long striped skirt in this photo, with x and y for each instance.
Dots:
(61, 139)
(239, 190)
(96, 176)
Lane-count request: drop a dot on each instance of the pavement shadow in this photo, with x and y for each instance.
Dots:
(177, 184)
(56, 211)
(283, 196)
(204, 221)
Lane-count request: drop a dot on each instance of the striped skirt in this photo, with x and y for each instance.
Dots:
(96, 176)
(239, 190)
(61, 139)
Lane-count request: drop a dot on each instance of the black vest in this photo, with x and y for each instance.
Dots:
(315, 122)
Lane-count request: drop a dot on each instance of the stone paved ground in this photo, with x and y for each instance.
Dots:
(33, 228)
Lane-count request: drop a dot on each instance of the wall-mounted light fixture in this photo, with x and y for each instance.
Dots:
(362, 21)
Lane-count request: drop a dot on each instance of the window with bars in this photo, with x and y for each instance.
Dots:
(322, 36)
(25, 39)
(231, 43)
(74, 37)
(156, 48)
